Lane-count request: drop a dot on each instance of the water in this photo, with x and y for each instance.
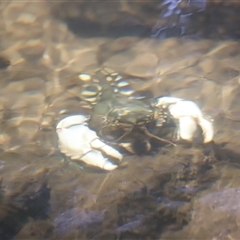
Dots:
(177, 193)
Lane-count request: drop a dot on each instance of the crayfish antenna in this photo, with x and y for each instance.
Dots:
(156, 137)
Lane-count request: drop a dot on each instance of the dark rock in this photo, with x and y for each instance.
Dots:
(25, 199)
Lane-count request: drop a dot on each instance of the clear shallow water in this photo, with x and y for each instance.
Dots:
(161, 196)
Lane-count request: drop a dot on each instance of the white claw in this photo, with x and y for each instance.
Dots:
(166, 101)
(207, 128)
(187, 128)
(189, 115)
(95, 158)
(79, 142)
(98, 144)
(72, 120)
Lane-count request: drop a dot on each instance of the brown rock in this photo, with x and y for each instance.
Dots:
(144, 65)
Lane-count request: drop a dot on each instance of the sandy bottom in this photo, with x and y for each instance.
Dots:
(177, 193)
